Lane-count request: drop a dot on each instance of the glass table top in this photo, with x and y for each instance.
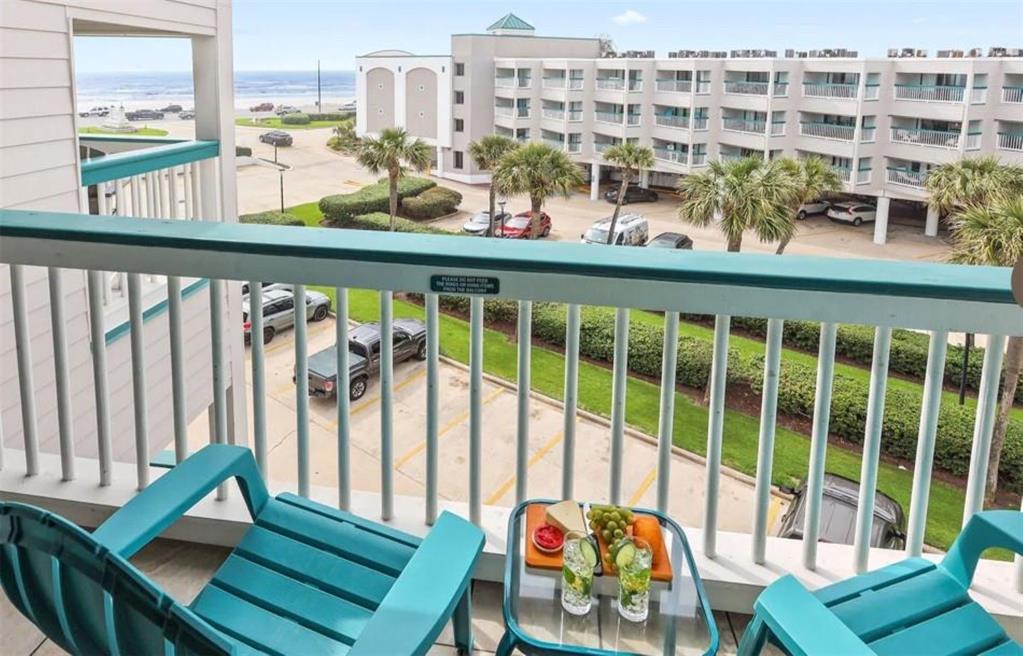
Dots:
(677, 621)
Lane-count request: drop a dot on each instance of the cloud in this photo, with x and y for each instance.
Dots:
(630, 17)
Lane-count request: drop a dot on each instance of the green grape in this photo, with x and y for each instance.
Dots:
(617, 516)
(607, 535)
(619, 533)
(611, 525)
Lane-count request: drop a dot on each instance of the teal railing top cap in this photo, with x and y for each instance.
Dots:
(144, 160)
(791, 272)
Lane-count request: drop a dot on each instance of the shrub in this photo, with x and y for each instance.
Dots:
(298, 118)
(371, 198)
(381, 221)
(330, 116)
(271, 218)
(432, 203)
(242, 151)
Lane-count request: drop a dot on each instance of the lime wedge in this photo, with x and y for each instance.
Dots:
(625, 555)
(588, 552)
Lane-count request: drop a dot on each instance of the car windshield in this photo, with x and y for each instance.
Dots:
(662, 242)
(517, 222)
(595, 234)
(482, 217)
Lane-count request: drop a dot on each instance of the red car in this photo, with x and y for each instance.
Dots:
(517, 227)
(262, 107)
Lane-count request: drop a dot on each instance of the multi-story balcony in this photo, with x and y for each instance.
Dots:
(868, 134)
(930, 92)
(777, 128)
(871, 91)
(601, 146)
(863, 176)
(700, 122)
(747, 88)
(1012, 95)
(671, 120)
(504, 110)
(575, 146)
(633, 119)
(575, 115)
(575, 83)
(553, 82)
(781, 89)
(1010, 141)
(698, 159)
(744, 125)
(635, 85)
(844, 172)
(671, 155)
(555, 114)
(610, 84)
(506, 82)
(919, 136)
(827, 130)
(830, 90)
(609, 117)
(556, 144)
(907, 177)
(675, 86)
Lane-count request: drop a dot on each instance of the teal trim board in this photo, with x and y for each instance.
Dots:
(135, 162)
(156, 310)
(889, 278)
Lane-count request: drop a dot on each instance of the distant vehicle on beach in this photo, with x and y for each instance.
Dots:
(348, 107)
(276, 138)
(144, 115)
(186, 114)
(96, 111)
(287, 109)
(171, 109)
(262, 107)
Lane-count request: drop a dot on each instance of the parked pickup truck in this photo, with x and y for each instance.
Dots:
(364, 357)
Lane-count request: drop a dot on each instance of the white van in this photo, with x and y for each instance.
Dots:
(630, 230)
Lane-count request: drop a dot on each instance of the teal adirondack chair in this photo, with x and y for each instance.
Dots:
(911, 607)
(305, 579)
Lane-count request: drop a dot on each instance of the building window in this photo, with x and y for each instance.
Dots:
(459, 97)
(458, 159)
(459, 125)
(459, 70)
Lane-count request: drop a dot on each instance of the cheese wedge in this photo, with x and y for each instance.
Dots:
(566, 515)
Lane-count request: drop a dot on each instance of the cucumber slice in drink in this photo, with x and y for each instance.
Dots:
(589, 553)
(625, 555)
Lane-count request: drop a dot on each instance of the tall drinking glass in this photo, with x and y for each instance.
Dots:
(580, 557)
(633, 559)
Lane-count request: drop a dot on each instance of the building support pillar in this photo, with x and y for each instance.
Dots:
(644, 179)
(594, 181)
(881, 221)
(440, 162)
(933, 217)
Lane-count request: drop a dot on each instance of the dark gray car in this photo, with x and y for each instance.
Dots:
(838, 515)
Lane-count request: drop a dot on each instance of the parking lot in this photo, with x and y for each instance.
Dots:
(498, 470)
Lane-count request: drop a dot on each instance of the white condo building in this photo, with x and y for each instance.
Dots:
(883, 123)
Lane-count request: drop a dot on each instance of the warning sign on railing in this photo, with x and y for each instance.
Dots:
(472, 285)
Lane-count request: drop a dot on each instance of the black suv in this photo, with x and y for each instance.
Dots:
(144, 115)
(276, 138)
(633, 194)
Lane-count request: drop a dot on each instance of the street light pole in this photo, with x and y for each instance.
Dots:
(502, 203)
(319, 95)
(280, 172)
(275, 153)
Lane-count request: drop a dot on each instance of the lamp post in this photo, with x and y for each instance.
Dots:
(280, 172)
(501, 214)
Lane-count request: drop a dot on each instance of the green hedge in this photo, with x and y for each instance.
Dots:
(371, 198)
(431, 204)
(908, 355)
(271, 218)
(382, 221)
(298, 118)
(330, 116)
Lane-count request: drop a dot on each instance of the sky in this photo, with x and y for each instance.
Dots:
(292, 35)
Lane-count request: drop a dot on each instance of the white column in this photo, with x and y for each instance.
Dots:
(644, 179)
(440, 162)
(931, 227)
(881, 221)
(594, 181)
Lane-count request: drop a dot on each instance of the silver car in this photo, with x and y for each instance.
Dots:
(818, 206)
(279, 310)
(854, 213)
(479, 223)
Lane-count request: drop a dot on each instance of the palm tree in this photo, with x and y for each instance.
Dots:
(971, 181)
(814, 178)
(741, 195)
(486, 153)
(992, 233)
(540, 171)
(630, 158)
(394, 152)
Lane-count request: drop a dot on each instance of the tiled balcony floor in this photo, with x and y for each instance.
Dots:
(182, 569)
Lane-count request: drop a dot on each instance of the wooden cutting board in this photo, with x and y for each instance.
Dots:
(661, 571)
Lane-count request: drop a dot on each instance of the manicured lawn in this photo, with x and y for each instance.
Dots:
(275, 124)
(141, 132)
(308, 212)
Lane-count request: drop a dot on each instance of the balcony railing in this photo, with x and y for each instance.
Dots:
(871, 91)
(830, 90)
(601, 146)
(929, 92)
(978, 95)
(575, 147)
(744, 125)
(504, 110)
(557, 144)
(777, 128)
(1010, 141)
(700, 123)
(609, 117)
(862, 176)
(671, 120)
(575, 83)
(522, 112)
(555, 114)
(611, 84)
(675, 86)
(1012, 94)
(575, 115)
(747, 88)
(844, 172)
(906, 177)
(632, 120)
(554, 83)
(671, 155)
(919, 136)
(505, 82)
(868, 135)
(781, 89)
(698, 159)
(877, 293)
(973, 141)
(635, 85)
(827, 130)
(524, 82)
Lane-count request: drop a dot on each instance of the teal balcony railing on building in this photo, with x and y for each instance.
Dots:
(557, 144)
(744, 125)
(504, 110)
(906, 177)
(575, 83)
(923, 137)
(930, 92)
(601, 146)
(938, 298)
(830, 89)
(827, 130)
(747, 88)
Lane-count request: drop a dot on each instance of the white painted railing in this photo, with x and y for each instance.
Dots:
(575, 83)
(830, 90)
(827, 130)
(504, 110)
(933, 93)
(777, 128)
(1010, 141)
(575, 115)
(703, 86)
(907, 177)
(611, 84)
(635, 85)
(525, 82)
(671, 155)
(1012, 94)
(556, 144)
(555, 114)
(601, 146)
(671, 120)
(504, 82)
(843, 172)
(675, 86)
(973, 141)
(939, 138)
(632, 120)
(699, 159)
(744, 125)
(575, 147)
(747, 88)
(609, 117)
(938, 298)
(863, 176)
(554, 83)
(867, 135)
(978, 95)
(700, 123)
(871, 91)
(781, 89)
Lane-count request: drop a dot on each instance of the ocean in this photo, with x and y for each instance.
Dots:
(154, 90)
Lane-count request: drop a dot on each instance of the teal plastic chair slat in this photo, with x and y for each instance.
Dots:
(305, 578)
(913, 606)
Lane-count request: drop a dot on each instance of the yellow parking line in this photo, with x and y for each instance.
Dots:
(773, 510)
(268, 350)
(368, 402)
(643, 487)
(455, 421)
(535, 458)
